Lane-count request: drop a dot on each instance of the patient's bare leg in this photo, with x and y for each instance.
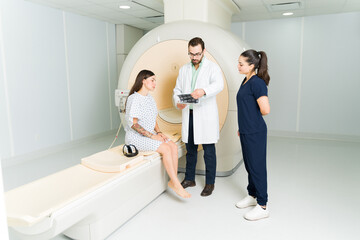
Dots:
(174, 182)
(174, 153)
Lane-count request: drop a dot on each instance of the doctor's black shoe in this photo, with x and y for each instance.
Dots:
(208, 189)
(188, 183)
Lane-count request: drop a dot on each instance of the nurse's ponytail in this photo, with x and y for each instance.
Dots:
(263, 68)
(259, 59)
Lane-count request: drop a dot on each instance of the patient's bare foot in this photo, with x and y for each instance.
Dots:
(179, 190)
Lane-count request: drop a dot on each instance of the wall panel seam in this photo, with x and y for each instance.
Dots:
(109, 77)
(68, 76)
(300, 74)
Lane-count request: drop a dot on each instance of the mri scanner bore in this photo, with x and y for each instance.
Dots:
(164, 50)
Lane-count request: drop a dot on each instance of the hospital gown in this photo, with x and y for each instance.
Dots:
(144, 109)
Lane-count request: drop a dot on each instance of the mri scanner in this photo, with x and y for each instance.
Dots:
(92, 199)
(164, 51)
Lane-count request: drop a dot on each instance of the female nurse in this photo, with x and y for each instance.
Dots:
(252, 105)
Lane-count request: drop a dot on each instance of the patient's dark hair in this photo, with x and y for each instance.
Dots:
(143, 74)
(196, 41)
(259, 59)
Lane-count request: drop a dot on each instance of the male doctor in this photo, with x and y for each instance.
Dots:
(200, 122)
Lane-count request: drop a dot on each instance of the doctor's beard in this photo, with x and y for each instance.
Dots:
(196, 61)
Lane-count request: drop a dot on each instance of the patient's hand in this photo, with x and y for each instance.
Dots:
(163, 136)
(181, 106)
(157, 137)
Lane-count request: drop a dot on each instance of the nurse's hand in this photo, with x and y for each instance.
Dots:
(181, 106)
(238, 133)
(198, 93)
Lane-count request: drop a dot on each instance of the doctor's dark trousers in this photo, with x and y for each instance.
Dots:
(254, 154)
(191, 156)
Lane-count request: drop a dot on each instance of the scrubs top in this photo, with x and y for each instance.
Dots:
(250, 119)
(195, 73)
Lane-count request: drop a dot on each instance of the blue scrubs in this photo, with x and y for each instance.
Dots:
(253, 136)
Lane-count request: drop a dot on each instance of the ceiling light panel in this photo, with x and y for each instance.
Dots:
(115, 6)
(124, 7)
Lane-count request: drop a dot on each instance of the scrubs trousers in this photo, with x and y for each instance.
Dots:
(254, 154)
(191, 156)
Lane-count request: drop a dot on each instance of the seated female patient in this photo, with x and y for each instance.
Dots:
(143, 131)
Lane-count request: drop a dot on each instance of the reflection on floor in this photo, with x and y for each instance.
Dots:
(314, 193)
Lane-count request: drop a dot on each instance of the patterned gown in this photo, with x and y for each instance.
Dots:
(144, 109)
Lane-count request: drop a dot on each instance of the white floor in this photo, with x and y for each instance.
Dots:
(314, 193)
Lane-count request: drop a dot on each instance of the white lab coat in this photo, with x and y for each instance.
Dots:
(205, 113)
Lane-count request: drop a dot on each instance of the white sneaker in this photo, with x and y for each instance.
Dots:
(248, 201)
(256, 213)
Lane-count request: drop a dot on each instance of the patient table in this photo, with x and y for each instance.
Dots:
(90, 200)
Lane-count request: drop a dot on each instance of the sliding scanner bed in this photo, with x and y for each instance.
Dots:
(90, 200)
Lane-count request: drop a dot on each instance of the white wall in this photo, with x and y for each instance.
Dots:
(313, 64)
(126, 38)
(58, 76)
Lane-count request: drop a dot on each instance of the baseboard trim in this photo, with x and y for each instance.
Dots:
(11, 161)
(314, 136)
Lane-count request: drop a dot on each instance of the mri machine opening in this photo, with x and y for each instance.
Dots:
(164, 51)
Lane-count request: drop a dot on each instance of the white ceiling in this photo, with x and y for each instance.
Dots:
(148, 14)
(252, 10)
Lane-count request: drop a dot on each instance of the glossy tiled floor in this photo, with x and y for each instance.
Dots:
(314, 193)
